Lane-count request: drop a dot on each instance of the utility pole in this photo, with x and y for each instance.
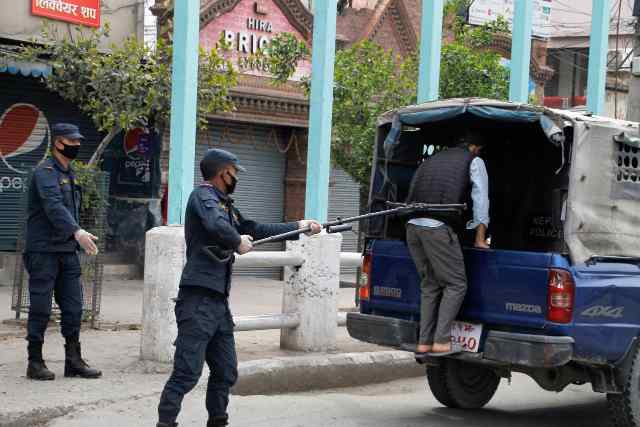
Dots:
(633, 98)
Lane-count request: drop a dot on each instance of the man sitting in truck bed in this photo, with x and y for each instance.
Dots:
(455, 175)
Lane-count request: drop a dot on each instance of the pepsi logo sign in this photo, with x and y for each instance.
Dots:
(23, 130)
(137, 142)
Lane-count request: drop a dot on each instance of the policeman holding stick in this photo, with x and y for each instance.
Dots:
(205, 324)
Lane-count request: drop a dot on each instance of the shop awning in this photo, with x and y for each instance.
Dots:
(26, 69)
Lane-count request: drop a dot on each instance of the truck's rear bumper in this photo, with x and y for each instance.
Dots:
(502, 348)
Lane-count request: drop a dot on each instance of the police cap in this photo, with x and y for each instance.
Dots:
(214, 160)
(66, 130)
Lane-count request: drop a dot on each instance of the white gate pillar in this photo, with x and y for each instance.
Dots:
(164, 259)
(311, 290)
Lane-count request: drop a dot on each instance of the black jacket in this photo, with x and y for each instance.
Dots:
(211, 219)
(53, 209)
(444, 179)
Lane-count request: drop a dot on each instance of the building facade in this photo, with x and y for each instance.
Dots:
(568, 53)
(268, 129)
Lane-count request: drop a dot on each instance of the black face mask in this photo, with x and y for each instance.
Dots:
(69, 151)
(231, 187)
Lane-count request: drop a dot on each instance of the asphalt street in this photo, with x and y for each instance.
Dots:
(406, 403)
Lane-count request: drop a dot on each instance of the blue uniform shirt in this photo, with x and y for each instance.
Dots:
(211, 219)
(53, 209)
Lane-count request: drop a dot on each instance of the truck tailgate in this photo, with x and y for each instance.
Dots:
(506, 288)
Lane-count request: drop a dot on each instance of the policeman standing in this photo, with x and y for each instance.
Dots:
(51, 254)
(205, 324)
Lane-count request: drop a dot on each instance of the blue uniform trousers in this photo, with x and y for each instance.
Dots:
(205, 334)
(50, 274)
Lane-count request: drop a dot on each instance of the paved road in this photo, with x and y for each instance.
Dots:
(404, 403)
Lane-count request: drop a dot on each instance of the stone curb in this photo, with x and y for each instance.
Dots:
(306, 373)
(273, 376)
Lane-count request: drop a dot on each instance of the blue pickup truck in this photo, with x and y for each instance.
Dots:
(557, 297)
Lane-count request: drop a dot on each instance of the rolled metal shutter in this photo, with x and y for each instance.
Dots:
(23, 102)
(344, 202)
(260, 192)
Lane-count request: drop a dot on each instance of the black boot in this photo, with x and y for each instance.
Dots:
(74, 366)
(220, 421)
(37, 370)
(166, 424)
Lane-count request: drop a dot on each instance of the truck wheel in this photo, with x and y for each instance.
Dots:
(462, 385)
(624, 408)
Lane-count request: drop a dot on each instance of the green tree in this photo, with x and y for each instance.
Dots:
(370, 81)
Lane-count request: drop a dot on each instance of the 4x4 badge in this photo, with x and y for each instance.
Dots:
(604, 311)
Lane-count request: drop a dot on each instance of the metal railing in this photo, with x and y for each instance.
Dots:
(309, 315)
(282, 259)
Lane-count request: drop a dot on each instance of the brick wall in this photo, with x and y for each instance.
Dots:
(386, 35)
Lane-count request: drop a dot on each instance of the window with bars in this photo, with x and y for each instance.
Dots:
(627, 168)
(628, 161)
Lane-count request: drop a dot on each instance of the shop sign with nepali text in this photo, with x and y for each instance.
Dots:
(81, 12)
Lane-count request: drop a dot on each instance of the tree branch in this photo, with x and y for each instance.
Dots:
(103, 144)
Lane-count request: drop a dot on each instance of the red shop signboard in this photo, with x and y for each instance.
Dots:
(81, 12)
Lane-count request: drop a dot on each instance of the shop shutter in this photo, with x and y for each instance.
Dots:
(27, 111)
(344, 202)
(260, 192)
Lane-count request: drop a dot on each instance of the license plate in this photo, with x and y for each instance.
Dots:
(466, 336)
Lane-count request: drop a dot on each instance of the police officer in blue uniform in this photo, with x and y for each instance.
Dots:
(205, 324)
(53, 237)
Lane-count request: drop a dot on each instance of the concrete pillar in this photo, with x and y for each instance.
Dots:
(598, 47)
(164, 260)
(430, 49)
(184, 106)
(316, 202)
(312, 291)
(521, 51)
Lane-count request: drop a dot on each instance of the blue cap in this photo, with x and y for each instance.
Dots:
(215, 159)
(66, 130)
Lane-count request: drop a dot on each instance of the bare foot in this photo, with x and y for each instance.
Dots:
(423, 348)
(441, 348)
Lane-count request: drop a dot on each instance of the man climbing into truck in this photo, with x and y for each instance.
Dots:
(556, 296)
(456, 175)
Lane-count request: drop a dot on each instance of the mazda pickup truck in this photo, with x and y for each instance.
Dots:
(557, 296)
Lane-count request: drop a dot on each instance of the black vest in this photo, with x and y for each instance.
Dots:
(444, 179)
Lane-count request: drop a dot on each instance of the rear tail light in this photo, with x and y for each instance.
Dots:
(561, 294)
(364, 290)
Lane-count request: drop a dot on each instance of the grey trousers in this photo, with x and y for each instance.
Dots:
(438, 258)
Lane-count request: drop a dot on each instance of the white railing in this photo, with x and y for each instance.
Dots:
(283, 259)
(268, 259)
(309, 318)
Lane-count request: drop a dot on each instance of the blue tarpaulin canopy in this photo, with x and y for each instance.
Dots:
(432, 112)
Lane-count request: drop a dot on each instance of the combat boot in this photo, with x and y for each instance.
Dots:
(74, 365)
(220, 421)
(36, 369)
